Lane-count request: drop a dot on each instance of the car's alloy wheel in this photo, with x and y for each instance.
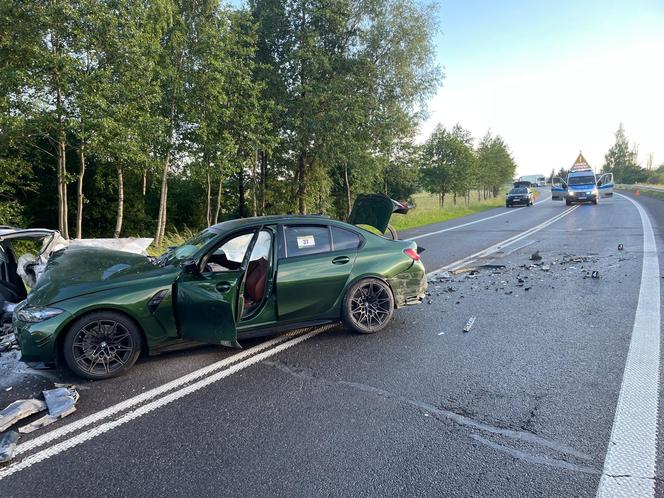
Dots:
(368, 306)
(102, 345)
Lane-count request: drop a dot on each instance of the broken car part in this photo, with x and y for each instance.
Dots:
(8, 442)
(18, 410)
(60, 402)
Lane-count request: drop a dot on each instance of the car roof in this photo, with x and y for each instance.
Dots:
(229, 225)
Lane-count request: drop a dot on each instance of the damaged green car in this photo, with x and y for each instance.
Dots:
(97, 309)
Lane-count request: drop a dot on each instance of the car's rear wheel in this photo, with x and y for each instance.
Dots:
(101, 345)
(368, 306)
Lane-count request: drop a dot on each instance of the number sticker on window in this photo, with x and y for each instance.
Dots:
(306, 241)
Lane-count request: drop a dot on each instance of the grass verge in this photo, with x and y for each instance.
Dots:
(427, 210)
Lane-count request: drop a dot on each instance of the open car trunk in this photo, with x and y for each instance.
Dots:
(375, 210)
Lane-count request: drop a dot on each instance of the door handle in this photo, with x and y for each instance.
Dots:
(223, 286)
(340, 260)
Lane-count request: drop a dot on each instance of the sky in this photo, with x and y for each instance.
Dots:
(553, 77)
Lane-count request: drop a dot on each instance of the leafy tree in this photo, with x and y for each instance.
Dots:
(621, 160)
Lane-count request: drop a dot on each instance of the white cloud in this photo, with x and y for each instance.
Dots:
(547, 111)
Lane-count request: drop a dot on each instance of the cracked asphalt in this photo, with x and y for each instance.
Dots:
(521, 405)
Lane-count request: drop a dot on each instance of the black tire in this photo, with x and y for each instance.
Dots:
(101, 345)
(569, 203)
(368, 306)
(595, 201)
(508, 205)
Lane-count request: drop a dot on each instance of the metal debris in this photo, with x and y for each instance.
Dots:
(620, 247)
(8, 342)
(594, 274)
(8, 446)
(469, 324)
(60, 401)
(18, 410)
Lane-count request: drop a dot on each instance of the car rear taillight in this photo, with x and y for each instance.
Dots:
(412, 254)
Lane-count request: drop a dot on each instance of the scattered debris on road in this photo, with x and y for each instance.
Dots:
(8, 446)
(594, 274)
(535, 256)
(60, 402)
(620, 247)
(469, 324)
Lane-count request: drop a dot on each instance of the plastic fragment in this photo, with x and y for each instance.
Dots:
(18, 410)
(8, 445)
(60, 401)
(469, 324)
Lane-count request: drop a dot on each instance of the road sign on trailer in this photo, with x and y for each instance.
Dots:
(580, 164)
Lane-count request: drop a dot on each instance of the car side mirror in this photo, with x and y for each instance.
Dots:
(189, 266)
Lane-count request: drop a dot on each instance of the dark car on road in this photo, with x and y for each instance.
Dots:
(519, 196)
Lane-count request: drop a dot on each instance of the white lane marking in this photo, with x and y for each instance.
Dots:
(149, 407)
(470, 222)
(630, 463)
(148, 395)
(505, 243)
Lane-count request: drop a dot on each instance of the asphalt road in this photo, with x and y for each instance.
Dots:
(522, 405)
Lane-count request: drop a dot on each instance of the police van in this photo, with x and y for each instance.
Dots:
(582, 185)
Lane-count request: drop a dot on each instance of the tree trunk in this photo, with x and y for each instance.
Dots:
(240, 191)
(218, 207)
(208, 211)
(145, 181)
(120, 212)
(253, 184)
(479, 194)
(263, 181)
(302, 184)
(347, 183)
(79, 190)
(162, 201)
(454, 199)
(442, 200)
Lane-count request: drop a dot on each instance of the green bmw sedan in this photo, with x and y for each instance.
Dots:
(98, 309)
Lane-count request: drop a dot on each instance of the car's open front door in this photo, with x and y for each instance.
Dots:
(558, 189)
(605, 185)
(208, 293)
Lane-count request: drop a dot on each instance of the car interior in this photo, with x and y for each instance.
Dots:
(229, 256)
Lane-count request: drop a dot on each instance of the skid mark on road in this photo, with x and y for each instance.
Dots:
(630, 463)
(436, 412)
(456, 227)
(522, 455)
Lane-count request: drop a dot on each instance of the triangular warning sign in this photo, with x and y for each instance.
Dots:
(580, 163)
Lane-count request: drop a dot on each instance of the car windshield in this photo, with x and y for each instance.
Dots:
(189, 248)
(581, 180)
(519, 191)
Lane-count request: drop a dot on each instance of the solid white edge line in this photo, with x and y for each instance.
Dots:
(149, 407)
(631, 457)
(504, 243)
(449, 229)
(148, 395)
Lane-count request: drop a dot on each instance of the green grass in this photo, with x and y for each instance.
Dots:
(427, 210)
(649, 193)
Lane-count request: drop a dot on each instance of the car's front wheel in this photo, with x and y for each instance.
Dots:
(101, 345)
(368, 306)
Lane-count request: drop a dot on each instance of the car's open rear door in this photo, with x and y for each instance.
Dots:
(558, 189)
